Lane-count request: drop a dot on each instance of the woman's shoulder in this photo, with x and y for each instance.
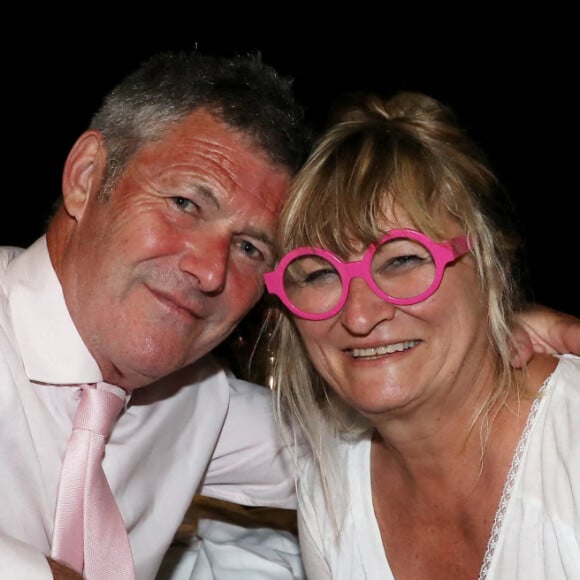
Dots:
(559, 403)
(566, 376)
(569, 361)
(546, 372)
(347, 459)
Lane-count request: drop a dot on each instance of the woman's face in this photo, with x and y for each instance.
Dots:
(384, 359)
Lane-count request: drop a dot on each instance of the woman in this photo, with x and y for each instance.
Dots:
(432, 456)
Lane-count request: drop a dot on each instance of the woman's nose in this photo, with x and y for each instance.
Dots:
(363, 309)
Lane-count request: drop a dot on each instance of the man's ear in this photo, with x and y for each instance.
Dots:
(83, 172)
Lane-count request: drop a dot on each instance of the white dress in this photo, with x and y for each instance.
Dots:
(536, 535)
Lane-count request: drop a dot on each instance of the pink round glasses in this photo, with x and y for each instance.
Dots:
(404, 267)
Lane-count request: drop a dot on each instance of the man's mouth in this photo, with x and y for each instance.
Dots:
(177, 304)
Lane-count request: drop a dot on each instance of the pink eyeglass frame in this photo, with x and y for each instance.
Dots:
(443, 254)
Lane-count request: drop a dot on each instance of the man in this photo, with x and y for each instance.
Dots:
(156, 252)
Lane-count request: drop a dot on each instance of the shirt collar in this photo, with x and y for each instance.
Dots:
(52, 349)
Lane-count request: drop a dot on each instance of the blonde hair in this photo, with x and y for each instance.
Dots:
(407, 152)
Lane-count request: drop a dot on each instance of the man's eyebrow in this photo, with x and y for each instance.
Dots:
(262, 236)
(208, 195)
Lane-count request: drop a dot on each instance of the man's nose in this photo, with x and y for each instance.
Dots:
(206, 260)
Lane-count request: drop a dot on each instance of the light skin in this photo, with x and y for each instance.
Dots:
(163, 271)
(176, 256)
(434, 497)
(560, 332)
(438, 334)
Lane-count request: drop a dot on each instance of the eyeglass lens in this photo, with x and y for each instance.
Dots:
(400, 268)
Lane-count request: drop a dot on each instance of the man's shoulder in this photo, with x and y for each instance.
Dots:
(7, 254)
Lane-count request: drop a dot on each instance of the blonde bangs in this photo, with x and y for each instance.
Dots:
(371, 175)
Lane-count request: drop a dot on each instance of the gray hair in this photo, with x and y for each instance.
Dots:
(244, 92)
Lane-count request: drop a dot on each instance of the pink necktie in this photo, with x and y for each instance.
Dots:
(89, 532)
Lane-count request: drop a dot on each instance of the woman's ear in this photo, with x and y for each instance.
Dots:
(83, 172)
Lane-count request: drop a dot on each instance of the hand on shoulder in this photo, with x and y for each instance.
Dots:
(543, 330)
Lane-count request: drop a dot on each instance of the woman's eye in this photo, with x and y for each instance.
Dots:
(320, 276)
(406, 260)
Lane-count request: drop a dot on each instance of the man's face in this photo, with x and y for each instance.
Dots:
(164, 270)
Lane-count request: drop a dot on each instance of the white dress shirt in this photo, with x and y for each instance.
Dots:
(200, 430)
(537, 531)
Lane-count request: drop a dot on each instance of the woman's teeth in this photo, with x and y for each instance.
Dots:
(381, 350)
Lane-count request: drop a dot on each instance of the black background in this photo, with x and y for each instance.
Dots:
(512, 85)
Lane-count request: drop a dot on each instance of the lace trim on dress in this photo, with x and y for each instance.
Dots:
(507, 490)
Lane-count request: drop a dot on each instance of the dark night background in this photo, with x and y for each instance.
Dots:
(511, 86)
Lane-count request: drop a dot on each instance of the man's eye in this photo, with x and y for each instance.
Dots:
(250, 250)
(184, 203)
